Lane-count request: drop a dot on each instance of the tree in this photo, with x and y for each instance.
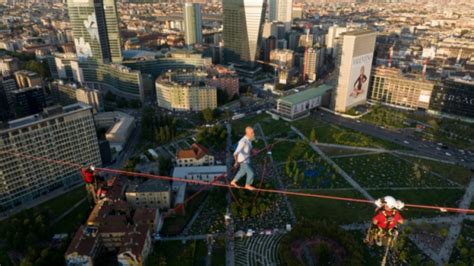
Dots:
(38, 67)
(312, 135)
(245, 213)
(208, 115)
(253, 212)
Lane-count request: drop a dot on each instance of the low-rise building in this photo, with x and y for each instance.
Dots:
(149, 194)
(199, 173)
(114, 225)
(119, 127)
(197, 155)
(299, 105)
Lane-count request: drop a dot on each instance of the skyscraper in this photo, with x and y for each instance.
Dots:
(95, 28)
(280, 10)
(243, 25)
(192, 23)
(354, 69)
(309, 64)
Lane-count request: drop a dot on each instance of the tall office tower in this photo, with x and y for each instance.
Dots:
(192, 23)
(309, 64)
(354, 69)
(268, 46)
(243, 25)
(280, 10)
(67, 134)
(95, 28)
(293, 40)
(278, 30)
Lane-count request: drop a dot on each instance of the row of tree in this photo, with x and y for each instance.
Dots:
(27, 235)
(159, 129)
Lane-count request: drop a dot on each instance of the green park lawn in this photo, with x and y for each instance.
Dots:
(339, 212)
(270, 126)
(455, 173)
(385, 170)
(62, 203)
(285, 149)
(328, 133)
(73, 220)
(342, 212)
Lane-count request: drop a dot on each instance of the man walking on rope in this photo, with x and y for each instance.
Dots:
(385, 221)
(242, 159)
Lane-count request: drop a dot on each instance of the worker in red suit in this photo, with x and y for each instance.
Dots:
(89, 177)
(385, 222)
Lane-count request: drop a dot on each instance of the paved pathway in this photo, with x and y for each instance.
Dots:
(338, 169)
(195, 216)
(229, 240)
(371, 188)
(455, 229)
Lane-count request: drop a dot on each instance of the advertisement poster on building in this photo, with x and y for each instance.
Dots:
(359, 79)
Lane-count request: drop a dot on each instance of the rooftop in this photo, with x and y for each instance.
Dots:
(182, 172)
(302, 96)
(47, 114)
(197, 151)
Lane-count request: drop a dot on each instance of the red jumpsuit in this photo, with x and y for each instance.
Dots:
(87, 175)
(387, 219)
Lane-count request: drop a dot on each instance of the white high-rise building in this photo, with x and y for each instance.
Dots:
(354, 69)
(333, 38)
(280, 10)
(192, 23)
(65, 133)
(243, 26)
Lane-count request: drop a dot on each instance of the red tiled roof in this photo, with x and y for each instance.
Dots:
(197, 151)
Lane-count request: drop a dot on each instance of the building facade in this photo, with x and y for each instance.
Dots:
(192, 23)
(454, 97)
(185, 91)
(309, 65)
(243, 25)
(27, 79)
(389, 86)
(28, 101)
(91, 97)
(66, 134)
(284, 59)
(150, 194)
(299, 105)
(95, 28)
(280, 10)
(354, 69)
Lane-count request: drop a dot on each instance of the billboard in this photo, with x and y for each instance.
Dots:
(359, 79)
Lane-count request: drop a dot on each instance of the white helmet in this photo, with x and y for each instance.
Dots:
(92, 168)
(390, 202)
(400, 204)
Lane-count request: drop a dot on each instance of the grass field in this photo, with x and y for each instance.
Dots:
(339, 212)
(329, 133)
(385, 170)
(72, 221)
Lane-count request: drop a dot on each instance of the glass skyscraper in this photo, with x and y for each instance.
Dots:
(243, 25)
(95, 28)
(192, 23)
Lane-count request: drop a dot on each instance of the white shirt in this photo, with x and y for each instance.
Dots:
(243, 150)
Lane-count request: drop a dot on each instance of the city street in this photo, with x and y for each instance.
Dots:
(425, 148)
